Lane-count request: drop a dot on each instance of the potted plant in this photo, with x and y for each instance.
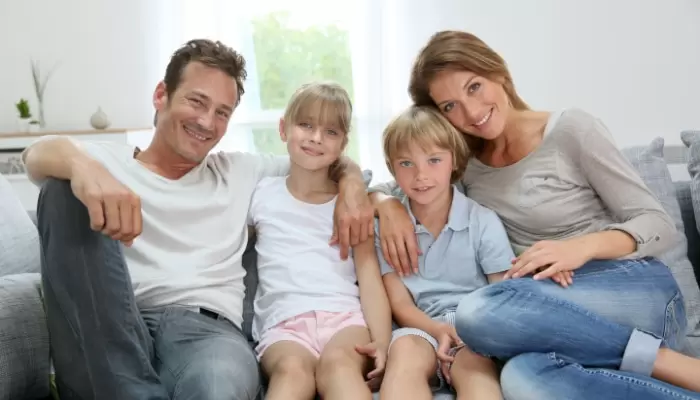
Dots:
(25, 115)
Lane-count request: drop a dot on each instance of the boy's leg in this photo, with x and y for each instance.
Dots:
(100, 346)
(474, 376)
(290, 367)
(341, 369)
(204, 358)
(411, 367)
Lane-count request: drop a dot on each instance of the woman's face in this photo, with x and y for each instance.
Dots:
(472, 103)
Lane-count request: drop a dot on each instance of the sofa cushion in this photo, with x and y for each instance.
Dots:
(692, 140)
(19, 239)
(649, 163)
(24, 339)
(685, 201)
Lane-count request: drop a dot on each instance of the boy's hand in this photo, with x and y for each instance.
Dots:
(378, 353)
(447, 340)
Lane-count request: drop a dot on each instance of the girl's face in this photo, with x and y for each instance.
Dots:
(472, 103)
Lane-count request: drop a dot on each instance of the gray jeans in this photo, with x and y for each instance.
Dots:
(103, 346)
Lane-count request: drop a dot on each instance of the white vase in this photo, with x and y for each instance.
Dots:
(23, 124)
(99, 119)
(34, 128)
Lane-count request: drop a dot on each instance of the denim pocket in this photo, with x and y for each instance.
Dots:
(675, 323)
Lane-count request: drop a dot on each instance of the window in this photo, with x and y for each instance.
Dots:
(285, 45)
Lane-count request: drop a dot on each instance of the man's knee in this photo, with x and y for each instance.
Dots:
(57, 201)
(220, 379)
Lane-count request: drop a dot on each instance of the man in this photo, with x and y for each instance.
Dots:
(142, 250)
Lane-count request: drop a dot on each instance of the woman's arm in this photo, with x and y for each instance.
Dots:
(644, 227)
(373, 297)
(405, 311)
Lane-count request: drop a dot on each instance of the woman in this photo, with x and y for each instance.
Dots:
(569, 202)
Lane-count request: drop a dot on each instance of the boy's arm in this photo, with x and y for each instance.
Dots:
(373, 298)
(405, 311)
(495, 254)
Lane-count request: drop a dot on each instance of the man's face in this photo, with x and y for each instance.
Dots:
(195, 117)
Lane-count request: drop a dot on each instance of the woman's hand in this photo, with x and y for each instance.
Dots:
(398, 237)
(548, 259)
(353, 218)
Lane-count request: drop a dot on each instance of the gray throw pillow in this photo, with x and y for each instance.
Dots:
(651, 166)
(19, 239)
(692, 140)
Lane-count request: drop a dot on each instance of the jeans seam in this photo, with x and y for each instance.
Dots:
(670, 320)
(630, 379)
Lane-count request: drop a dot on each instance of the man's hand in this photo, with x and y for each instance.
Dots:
(378, 354)
(113, 208)
(353, 218)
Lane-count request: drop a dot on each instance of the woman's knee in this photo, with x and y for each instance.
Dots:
(521, 377)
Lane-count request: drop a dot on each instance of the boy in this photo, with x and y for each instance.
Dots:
(464, 247)
(318, 319)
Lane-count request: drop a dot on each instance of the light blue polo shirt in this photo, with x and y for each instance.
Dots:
(472, 244)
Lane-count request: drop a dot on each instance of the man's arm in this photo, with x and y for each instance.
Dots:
(113, 208)
(375, 305)
(55, 157)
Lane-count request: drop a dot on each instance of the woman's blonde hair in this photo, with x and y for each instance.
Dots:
(426, 127)
(460, 51)
(324, 103)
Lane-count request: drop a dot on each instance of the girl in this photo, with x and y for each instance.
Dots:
(319, 319)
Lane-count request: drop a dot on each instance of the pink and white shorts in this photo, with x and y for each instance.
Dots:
(313, 330)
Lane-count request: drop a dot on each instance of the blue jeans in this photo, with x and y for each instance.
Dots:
(596, 339)
(103, 346)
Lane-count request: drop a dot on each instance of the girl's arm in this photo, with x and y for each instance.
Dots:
(405, 311)
(373, 297)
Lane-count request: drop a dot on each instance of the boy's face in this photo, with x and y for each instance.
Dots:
(312, 146)
(424, 175)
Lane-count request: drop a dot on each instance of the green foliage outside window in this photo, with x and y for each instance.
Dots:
(286, 57)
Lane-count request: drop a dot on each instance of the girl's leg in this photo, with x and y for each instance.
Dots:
(475, 377)
(340, 371)
(411, 365)
(590, 323)
(540, 376)
(290, 367)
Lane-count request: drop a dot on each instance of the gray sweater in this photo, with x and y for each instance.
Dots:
(576, 182)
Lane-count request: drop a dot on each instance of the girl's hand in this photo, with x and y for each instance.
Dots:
(398, 237)
(547, 258)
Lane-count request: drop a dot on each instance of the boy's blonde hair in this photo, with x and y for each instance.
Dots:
(324, 103)
(425, 126)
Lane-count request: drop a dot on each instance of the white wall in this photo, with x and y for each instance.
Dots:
(634, 63)
(102, 55)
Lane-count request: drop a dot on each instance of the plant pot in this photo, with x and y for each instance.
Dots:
(35, 127)
(23, 124)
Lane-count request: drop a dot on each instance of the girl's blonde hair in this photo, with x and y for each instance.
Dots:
(460, 51)
(324, 103)
(426, 127)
